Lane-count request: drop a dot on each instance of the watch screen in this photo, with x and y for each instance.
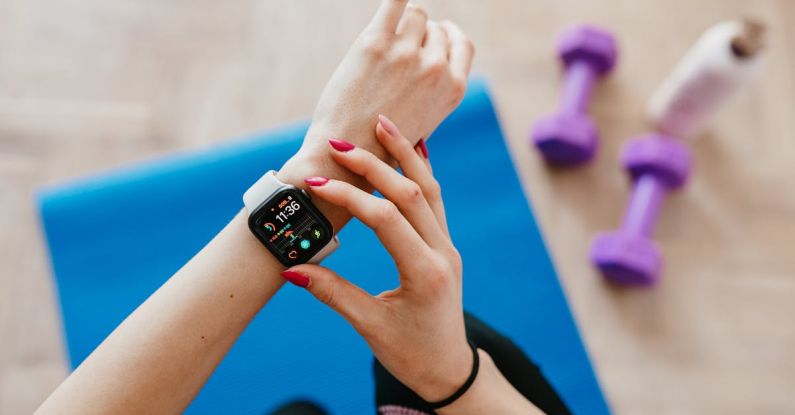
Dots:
(291, 227)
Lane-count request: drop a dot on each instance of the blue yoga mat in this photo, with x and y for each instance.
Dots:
(117, 236)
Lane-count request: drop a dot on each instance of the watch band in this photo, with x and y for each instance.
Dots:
(266, 186)
(261, 190)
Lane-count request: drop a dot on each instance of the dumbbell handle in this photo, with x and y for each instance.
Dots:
(580, 79)
(648, 193)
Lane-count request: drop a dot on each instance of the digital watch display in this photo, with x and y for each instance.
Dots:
(290, 226)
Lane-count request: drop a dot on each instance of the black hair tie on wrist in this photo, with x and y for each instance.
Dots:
(465, 387)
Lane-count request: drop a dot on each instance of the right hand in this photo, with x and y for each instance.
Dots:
(416, 330)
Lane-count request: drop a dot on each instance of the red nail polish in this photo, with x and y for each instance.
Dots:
(296, 278)
(388, 125)
(341, 145)
(423, 147)
(316, 181)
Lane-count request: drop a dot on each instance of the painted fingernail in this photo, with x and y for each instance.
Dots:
(388, 125)
(316, 181)
(341, 145)
(296, 278)
(423, 147)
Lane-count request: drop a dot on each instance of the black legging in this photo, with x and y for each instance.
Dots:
(517, 368)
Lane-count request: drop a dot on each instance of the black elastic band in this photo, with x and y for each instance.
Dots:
(465, 387)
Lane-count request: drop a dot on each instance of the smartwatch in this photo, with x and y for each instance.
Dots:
(286, 221)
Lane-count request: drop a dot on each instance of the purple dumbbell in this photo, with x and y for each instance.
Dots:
(657, 164)
(568, 136)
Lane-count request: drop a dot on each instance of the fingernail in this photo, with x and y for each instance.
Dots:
(296, 278)
(316, 181)
(388, 125)
(341, 145)
(423, 147)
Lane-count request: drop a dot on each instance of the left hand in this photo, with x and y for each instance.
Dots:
(416, 330)
(403, 65)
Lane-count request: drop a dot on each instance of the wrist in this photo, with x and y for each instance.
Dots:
(360, 133)
(447, 375)
(490, 393)
(315, 161)
(301, 165)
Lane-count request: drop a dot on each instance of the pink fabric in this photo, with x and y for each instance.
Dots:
(398, 410)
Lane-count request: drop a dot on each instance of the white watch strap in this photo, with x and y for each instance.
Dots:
(261, 190)
(266, 186)
(330, 247)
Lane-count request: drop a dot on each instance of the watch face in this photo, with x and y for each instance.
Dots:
(291, 227)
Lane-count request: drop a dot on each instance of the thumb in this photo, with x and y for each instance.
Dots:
(350, 301)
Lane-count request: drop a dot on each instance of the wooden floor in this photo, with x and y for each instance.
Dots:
(90, 84)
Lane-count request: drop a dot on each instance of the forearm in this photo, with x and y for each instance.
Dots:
(159, 358)
(490, 394)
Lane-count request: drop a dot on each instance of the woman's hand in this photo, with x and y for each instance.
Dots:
(416, 330)
(403, 65)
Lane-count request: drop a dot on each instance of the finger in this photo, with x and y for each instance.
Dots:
(414, 165)
(461, 50)
(350, 301)
(388, 16)
(436, 42)
(393, 230)
(412, 25)
(403, 192)
(437, 205)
